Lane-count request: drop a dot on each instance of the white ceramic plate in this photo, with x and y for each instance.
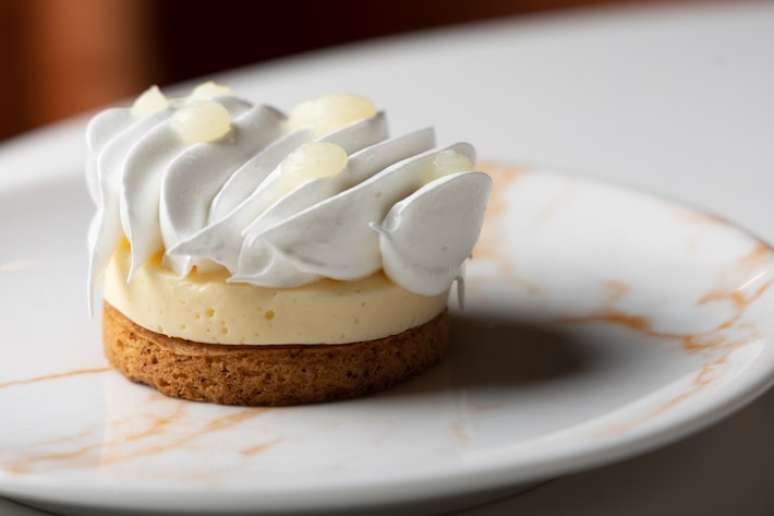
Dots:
(600, 322)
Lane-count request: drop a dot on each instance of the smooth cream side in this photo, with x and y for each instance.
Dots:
(205, 308)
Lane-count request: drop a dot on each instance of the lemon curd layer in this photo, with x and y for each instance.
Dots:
(203, 307)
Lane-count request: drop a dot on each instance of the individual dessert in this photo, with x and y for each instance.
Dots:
(251, 257)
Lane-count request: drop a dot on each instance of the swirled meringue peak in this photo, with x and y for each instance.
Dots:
(212, 180)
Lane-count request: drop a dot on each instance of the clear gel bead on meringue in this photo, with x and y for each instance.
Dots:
(324, 115)
(209, 90)
(202, 121)
(149, 102)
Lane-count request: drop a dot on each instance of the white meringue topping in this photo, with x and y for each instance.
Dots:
(425, 260)
(280, 202)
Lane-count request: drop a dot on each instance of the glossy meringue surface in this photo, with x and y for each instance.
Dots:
(213, 181)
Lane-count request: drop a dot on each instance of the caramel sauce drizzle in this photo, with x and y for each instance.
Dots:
(696, 342)
(489, 247)
(252, 451)
(489, 243)
(103, 454)
(55, 376)
(459, 433)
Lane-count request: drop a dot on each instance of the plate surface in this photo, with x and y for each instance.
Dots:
(600, 322)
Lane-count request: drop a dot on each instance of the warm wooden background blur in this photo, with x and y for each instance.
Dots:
(60, 57)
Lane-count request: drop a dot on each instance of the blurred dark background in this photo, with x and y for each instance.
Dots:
(60, 57)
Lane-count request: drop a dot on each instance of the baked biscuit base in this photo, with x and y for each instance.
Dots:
(269, 375)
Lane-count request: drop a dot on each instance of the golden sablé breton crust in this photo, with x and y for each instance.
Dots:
(269, 375)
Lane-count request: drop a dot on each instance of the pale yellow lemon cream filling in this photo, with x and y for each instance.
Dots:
(205, 308)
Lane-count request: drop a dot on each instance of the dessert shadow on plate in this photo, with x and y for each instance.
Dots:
(489, 352)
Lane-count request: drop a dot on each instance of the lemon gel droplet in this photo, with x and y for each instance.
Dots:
(202, 121)
(209, 90)
(445, 163)
(309, 162)
(326, 114)
(149, 102)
